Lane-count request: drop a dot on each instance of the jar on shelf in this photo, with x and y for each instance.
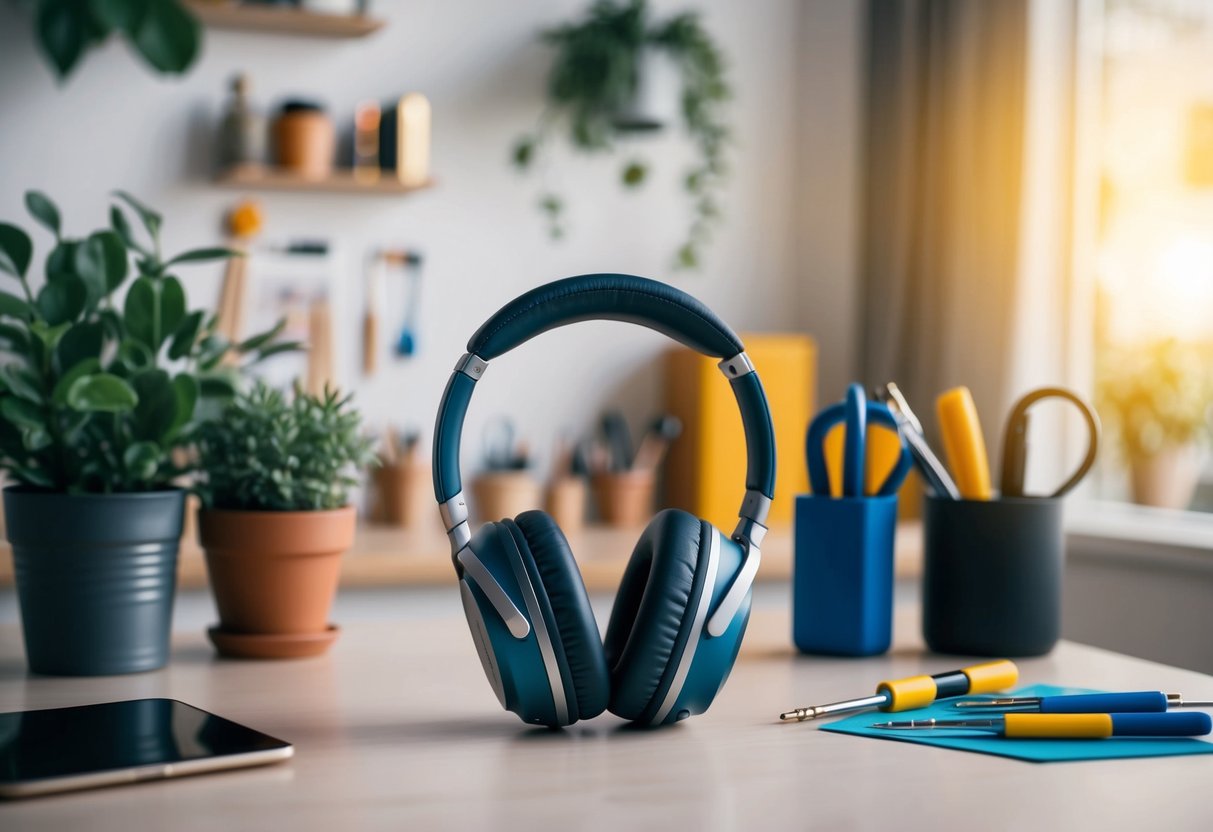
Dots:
(305, 140)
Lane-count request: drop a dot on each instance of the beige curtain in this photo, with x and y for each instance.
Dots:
(945, 116)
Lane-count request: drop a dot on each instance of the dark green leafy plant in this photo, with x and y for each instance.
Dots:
(594, 75)
(162, 32)
(270, 452)
(96, 398)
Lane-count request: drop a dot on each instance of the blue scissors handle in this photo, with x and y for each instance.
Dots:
(855, 445)
(874, 412)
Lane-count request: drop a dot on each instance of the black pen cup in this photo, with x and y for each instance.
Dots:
(992, 574)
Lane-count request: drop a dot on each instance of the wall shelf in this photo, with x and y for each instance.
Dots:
(340, 181)
(282, 20)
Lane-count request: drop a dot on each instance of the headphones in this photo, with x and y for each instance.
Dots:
(684, 601)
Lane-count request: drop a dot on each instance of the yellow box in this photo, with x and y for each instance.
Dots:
(706, 470)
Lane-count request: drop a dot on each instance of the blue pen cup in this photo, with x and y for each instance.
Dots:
(842, 582)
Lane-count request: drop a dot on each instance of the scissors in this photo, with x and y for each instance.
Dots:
(856, 412)
(1015, 441)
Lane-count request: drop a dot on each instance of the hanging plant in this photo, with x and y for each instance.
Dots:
(602, 72)
(162, 32)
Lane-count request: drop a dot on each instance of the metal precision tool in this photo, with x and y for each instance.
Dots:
(1068, 726)
(929, 466)
(919, 691)
(1142, 701)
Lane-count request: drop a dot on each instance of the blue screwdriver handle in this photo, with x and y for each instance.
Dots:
(1140, 702)
(1161, 725)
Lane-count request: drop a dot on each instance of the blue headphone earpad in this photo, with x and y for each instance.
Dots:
(578, 646)
(647, 619)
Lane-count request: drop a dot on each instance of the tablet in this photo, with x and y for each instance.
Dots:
(60, 749)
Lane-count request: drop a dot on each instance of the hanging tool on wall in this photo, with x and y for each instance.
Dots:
(242, 224)
(406, 344)
(375, 301)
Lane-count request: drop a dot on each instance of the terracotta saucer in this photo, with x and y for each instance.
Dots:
(269, 646)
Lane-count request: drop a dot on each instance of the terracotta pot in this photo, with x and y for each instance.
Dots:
(305, 141)
(625, 498)
(501, 494)
(274, 573)
(1168, 479)
(403, 496)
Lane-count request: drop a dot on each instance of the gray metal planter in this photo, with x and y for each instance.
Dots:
(96, 575)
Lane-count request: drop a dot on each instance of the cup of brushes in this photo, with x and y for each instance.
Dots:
(993, 563)
(844, 530)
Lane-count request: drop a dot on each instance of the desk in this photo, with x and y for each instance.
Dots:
(397, 729)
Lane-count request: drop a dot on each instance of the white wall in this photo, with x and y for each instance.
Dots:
(113, 125)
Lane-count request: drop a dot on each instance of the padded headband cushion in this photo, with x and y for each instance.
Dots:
(647, 618)
(615, 297)
(577, 629)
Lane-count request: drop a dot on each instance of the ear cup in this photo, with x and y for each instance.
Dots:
(646, 629)
(578, 645)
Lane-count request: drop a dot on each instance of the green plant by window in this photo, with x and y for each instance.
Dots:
(162, 32)
(1157, 396)
(595, 73)
(97, 397)
(270, 452)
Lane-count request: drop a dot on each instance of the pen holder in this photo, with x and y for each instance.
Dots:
(402, 494)
(992, 576)
(842, 583)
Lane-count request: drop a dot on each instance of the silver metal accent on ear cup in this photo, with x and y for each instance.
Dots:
(509, 614)
(460, 537)
(546, 650)
(454, 511)
(737, 366)
(472, 366)
(480, 637)
(701, 614)
(727, 609)
(750, 533)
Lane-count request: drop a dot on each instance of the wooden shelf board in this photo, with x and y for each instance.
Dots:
(340, 181)
(282, 20)
(383, 556)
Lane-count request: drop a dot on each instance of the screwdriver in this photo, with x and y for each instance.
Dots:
(919, 691)
(1069, 726)
(1142, 701)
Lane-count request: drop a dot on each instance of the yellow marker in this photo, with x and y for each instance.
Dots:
(883, 451)
(963, 443)
(917, 691)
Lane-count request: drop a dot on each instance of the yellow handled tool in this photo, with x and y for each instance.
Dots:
(963, 443)
(919, 691)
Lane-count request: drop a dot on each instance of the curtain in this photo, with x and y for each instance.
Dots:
(944, 160)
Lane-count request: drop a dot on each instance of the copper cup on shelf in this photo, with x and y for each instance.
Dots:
(502, 494)
(305, 140)
(625, 498)
(566, 503)
(402, 494)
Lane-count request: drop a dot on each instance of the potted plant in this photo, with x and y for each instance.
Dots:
(276, 517)
(163, 33)
(97, 400)
(1156, 400)
(612, 76)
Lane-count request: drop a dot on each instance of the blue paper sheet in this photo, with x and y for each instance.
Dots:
(1037, 751)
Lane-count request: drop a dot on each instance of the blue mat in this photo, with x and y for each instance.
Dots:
(1037, 751)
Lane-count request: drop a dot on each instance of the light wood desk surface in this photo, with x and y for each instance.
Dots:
(397, 729)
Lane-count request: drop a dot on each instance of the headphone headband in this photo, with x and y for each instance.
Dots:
(607, 297)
